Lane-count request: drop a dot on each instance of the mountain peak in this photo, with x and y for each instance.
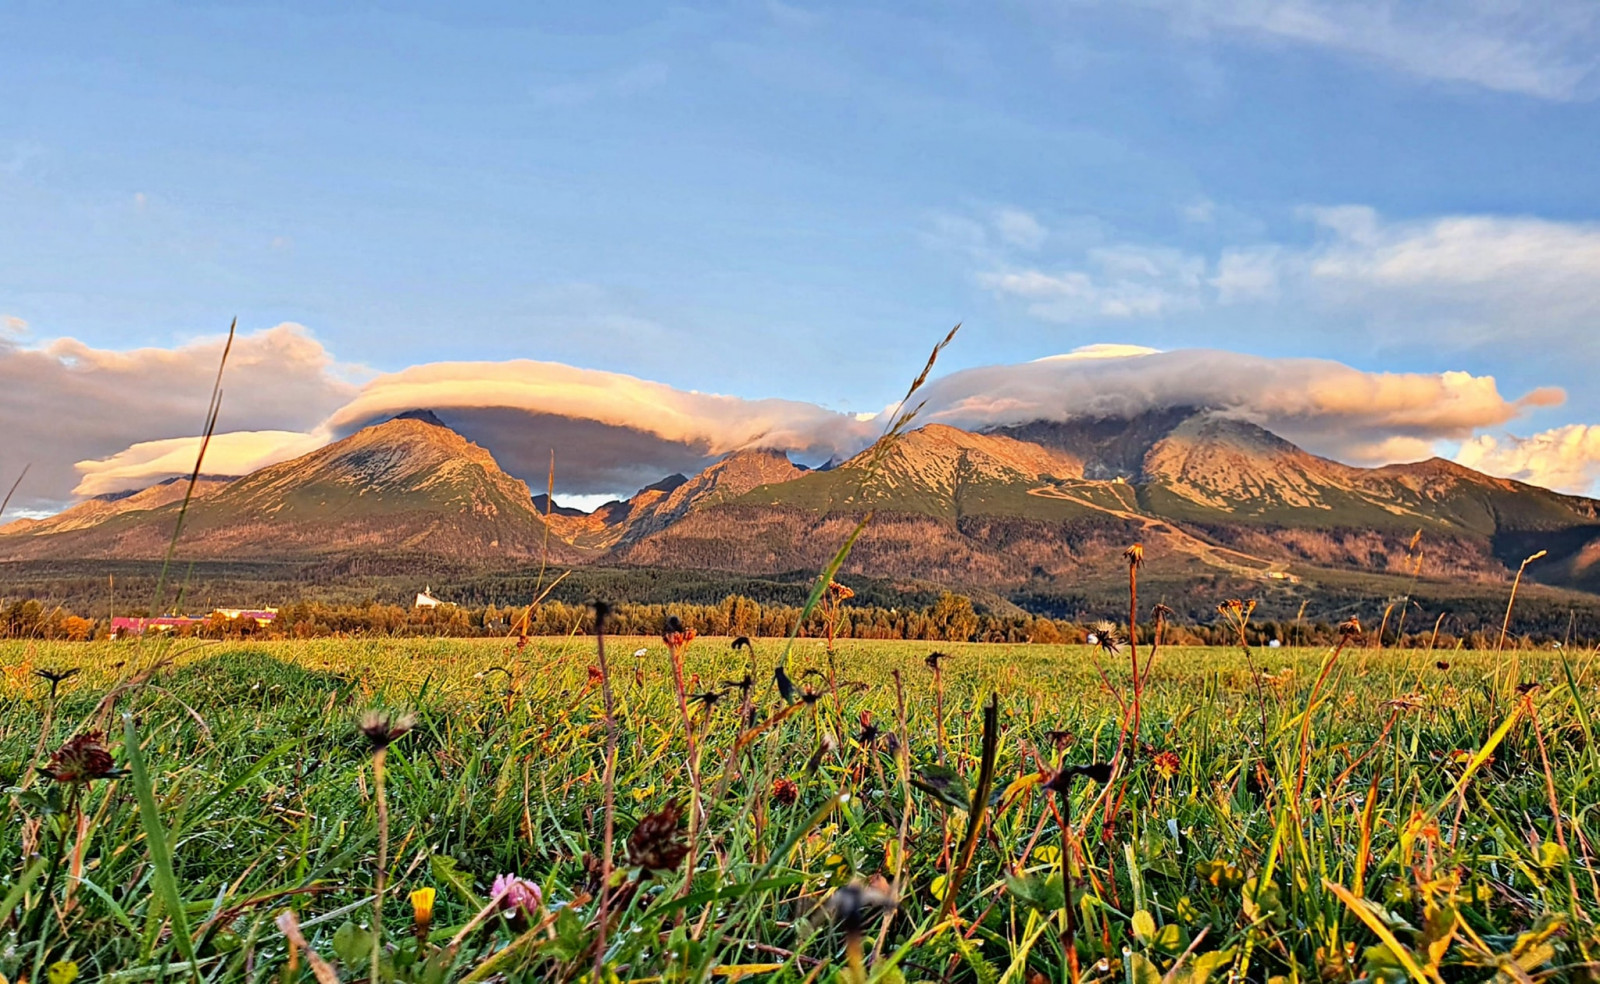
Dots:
(426, 416)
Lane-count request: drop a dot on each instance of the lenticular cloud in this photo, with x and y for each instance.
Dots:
(611, 432)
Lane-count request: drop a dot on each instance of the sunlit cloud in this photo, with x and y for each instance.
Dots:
(233, 453)
(1566, 459)
(610, 432)
(64, 401)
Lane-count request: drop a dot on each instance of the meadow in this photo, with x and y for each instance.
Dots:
(675, 811)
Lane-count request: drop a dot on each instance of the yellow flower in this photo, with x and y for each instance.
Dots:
(422, 906)
(62, 972)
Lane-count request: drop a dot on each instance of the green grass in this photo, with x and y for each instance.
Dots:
(252, 793)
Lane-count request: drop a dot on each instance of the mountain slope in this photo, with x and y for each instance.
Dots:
(1225, 494)
(935, 470)
(93, 512)
(408, 485)
(1035, 508)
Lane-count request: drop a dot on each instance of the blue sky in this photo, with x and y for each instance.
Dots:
(792, 200)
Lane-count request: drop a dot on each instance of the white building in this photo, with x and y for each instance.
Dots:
(425, 599)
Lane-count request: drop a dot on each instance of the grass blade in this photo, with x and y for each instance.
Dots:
(155, 835)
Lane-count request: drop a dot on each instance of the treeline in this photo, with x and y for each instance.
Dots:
(951, 617)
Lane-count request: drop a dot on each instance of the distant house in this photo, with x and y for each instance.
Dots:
(425, 599)
(122, 626)
(260, 616)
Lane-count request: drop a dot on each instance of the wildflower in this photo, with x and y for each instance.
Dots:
(656, 843)
(595, 676)
(840, 592)
(641, 652)
(1161, 612)
(82, 759)
(382, 728)
(422, 908)
(1350, 628)
(933, 660)
(62, 972)
(1105, 636)
(1134, 555)
(743, 684)
(518, 897)
(785, 792)
(1167, 764)
(743, 642)
(675, 634)
(1407, 702)
(869, 731)
(1441, 665)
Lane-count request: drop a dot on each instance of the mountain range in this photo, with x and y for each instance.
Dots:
(1026, 511)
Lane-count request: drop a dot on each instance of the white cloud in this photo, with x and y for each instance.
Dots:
(1244, 275)
(1019, 228)
(1566, 459)
(1483, 274)
(1121, 281)
(1548, 49)
(63, 401)
(1462, 280)
(1201, 211)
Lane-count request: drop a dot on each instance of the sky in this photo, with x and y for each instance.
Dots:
(643, 235)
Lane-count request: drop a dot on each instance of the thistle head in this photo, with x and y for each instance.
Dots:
(382, 728)
(1134, 555)
(1106, 636)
